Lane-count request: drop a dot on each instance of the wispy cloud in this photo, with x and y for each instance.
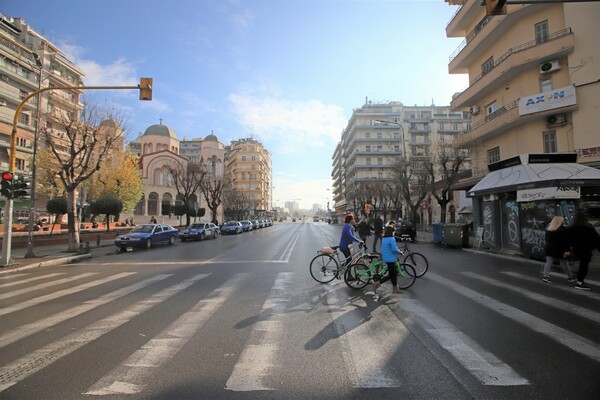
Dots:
(308, 122)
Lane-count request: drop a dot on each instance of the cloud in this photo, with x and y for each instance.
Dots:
(310, 122)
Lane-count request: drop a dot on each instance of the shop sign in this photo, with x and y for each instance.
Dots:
(549, 193)
(550, 100)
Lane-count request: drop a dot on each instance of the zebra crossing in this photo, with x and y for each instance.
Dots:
(364, 342)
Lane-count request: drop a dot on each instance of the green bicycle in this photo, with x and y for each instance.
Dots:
(358, 275)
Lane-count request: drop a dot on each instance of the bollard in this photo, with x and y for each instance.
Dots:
(98, 240)
(87, 246)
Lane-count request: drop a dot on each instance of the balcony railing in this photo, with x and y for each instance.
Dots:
(470, 36)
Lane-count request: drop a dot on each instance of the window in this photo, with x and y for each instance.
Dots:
(494, 155)
(396, 149)
(368, 160)
(368, 148)
(379, 161)
(545, 85)
(379, 149)
(379, 135)
(367, 135)
(550, 145)
(243, 158)
(487, 66)
(491, 108)
(24, 119)
(541, 32)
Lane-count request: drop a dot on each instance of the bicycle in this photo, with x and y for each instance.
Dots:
(328, 263)
(417, 260)
(357, 276)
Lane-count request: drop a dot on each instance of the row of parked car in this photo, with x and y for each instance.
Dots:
(147, 235)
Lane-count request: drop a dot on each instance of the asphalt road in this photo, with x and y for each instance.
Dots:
(239, 317)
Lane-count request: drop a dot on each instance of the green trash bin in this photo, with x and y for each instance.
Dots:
(456, 235)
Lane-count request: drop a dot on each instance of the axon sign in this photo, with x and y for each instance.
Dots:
(558, 98)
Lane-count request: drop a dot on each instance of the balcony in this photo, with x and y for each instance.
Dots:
(514, 62)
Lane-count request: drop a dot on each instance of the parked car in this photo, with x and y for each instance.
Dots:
(247, 225)
(405, 228)
(147, 235)
(232, 227)
(199, 231)
(255, 224)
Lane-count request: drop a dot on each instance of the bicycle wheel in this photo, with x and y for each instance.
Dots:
(357, 276)
(324, 268)
(406, 275)
(419, 261)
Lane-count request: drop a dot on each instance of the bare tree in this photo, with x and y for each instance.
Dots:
(212, 189)
(79, 144)
(408, 183)
(188, 179)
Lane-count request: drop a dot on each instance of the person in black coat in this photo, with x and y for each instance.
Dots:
(583, 239)
(364, 229)
(556, 248)
(377, 232)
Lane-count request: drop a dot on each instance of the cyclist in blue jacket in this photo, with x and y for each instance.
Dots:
(348, 236)
(389, 250)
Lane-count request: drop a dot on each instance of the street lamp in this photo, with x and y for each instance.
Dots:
(145, 88)
(401, 128)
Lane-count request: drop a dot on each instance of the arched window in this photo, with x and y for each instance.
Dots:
(158, 177)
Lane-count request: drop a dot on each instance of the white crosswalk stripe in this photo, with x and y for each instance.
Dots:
(46, 285)
(29, 280)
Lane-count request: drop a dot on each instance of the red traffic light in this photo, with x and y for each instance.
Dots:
(7, 176)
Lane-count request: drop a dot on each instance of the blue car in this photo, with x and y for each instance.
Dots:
(232, 227)
(247, 225)
(147, 235)
(199, 231)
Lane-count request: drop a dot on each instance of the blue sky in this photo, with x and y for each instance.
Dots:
(286, 72)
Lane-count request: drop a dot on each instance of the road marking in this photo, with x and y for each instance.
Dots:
(41, 358)
(256, 360)
(570, 288)
(133, 374)
(366, 344)
(205, 262)
(45, 285)
(61, 293)
(484, 365)
(36, 326)
(569, 339)
(547, 300)
(35, 278)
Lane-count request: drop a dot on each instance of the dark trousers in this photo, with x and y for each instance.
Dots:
(392, 274)
(346, 253)
(584, 261)
(376, 238)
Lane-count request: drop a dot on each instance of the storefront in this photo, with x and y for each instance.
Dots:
(519, 196)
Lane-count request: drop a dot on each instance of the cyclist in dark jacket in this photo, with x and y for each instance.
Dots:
(364, 229)
(348, 237)
(583, 239)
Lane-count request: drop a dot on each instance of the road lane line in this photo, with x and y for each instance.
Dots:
(570, 288)
(26, 366)
(484, 365)
(569, 339)
(136, 371)
(547, 300)
(35, 278)
(36, 326)
(61, 293)
(44, 285)
(255, 362)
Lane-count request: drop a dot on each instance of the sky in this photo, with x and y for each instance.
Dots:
(288, 73)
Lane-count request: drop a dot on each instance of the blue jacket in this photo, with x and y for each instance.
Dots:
(347, 237)
(389, 249)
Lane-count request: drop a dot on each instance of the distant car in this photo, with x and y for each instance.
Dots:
(256, 224)
(247, 225)
(405, 228)
(147, 235)
(232, 227)
(199, 231)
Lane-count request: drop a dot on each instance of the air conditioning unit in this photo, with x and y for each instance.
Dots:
(474, 110)
(549, 66)
(4, 77)
(2, 102)
(556, 120)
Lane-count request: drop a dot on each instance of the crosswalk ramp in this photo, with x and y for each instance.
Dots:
(364, 331)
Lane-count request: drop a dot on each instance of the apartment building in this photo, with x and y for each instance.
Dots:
(379, 136)
(533, 91)
(248, 166)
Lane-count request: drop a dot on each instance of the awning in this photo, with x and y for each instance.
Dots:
(539, 175)
(466, 184)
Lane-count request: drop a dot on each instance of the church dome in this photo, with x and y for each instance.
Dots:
(212, 137)
(160, 130)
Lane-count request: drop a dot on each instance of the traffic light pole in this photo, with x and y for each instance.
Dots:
(145, 88)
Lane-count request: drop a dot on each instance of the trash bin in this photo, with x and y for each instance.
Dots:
(438, 235)
(456, 235)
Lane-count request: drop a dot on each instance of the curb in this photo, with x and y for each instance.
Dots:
(48, 263)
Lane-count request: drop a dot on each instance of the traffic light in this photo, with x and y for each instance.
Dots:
(145, 88)
(495, 7)
(7, 184)
(22, 188)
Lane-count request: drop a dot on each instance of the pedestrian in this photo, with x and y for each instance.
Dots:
(348, 237)
(377, 232)
(364, 229)
(556, 249)
(152, 220)
(583, 239)
(389, 252)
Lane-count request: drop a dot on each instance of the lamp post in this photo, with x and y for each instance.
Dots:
(145, 88)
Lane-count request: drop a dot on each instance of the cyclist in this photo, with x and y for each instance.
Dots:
(389, 250)
(348, 237)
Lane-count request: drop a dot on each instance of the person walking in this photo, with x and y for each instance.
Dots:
(348, 237)
(557, 246)
(583, 239)
(389, 252)
(364, 229)
(152, 220)
(377, 232)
